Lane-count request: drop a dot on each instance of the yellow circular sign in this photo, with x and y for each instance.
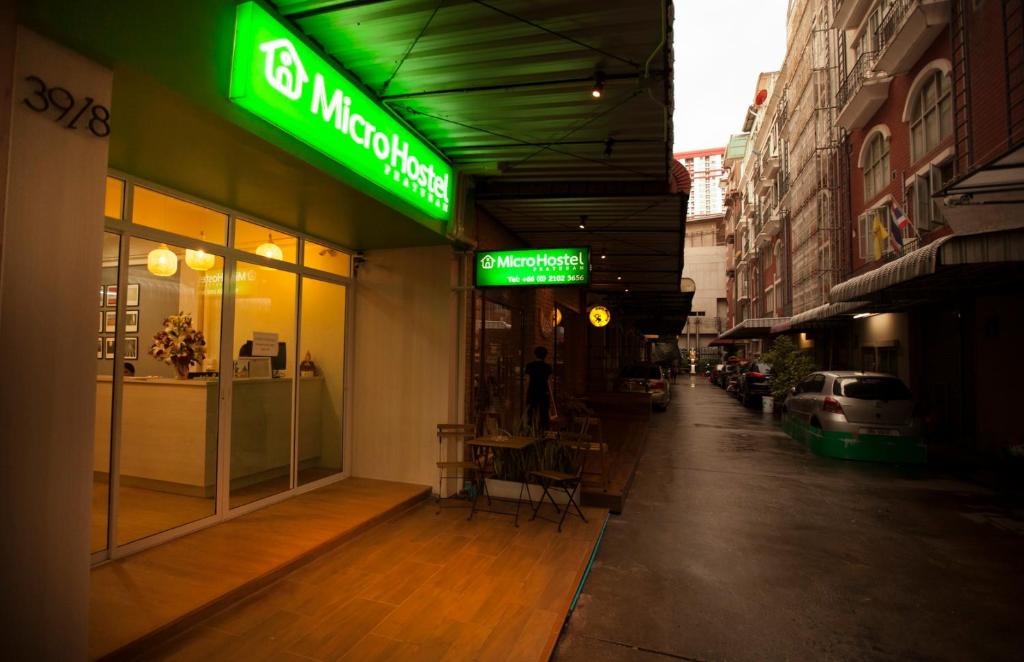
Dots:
(600, 316)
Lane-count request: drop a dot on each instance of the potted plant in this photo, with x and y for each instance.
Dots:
(179, 344)
(789, 366)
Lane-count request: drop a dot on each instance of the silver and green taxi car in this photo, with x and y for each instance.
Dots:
(855, 415)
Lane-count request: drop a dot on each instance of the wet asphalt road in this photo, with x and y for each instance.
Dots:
(738, 544)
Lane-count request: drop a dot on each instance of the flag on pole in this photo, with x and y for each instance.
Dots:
(878, 230)
(895, 234)
(903, 222)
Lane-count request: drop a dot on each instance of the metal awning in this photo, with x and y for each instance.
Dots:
(1002, 175)
(722, 342)
(504, 91)
(993, 258)
(819, 316)
(756, 327)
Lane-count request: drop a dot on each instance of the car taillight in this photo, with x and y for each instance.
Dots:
(832, 406)
(756, 374)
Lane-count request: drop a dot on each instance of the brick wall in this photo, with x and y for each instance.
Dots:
(891, 115)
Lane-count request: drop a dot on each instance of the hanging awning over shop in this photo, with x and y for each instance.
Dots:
(757, 327)
(723, 342)
(943, 266)
(823, 315)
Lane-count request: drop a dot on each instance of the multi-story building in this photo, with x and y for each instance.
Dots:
(705, 167)
(899, 131)
(705, 248)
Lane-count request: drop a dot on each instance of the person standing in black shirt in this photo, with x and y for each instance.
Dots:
(538, 395)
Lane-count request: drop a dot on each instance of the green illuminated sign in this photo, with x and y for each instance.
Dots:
(277, 77)
(541, 267)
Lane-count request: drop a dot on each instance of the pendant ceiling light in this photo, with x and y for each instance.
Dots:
(162, 261)
(270, 250)
(199, 260)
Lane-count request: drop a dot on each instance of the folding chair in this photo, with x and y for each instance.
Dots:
(566, 481)
(460, 469)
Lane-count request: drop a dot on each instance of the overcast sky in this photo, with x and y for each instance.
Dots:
(720, 48)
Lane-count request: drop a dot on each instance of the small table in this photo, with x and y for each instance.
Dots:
(519, 444)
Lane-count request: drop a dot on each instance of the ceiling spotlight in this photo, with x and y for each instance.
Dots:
(603, 256)
(627, 289)
(583, 222)
(618, 278)
(598, 88)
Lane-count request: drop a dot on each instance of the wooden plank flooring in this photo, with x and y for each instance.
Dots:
(155, 589)
(421, 586)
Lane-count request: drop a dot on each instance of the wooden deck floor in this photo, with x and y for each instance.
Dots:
(422, 586)
(146, 593)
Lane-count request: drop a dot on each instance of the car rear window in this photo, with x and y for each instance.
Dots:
(872, 388)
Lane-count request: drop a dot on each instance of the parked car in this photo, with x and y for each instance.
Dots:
(755, 380)
(856, 415)
(646, 378)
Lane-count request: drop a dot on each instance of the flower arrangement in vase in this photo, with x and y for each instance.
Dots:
(179, 344)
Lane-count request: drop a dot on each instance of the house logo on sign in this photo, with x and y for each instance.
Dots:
(283, 69)
(487, 262)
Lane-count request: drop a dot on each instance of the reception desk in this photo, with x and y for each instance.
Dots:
(169, 431)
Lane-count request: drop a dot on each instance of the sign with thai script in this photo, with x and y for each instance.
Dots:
(540, 267)
(277, 77)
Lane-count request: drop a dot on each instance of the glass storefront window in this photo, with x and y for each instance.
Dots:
(321, 379)
(160, 428)
(113, 203)
(325, 258)
(261, 412)
(170, 398)
(188, 219)
(263, 241)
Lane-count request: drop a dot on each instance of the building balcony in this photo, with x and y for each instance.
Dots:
(769, 229)
(849, 13)
(769, 167)
(906, 32)
(861, 92)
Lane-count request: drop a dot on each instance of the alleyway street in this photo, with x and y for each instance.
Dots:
(738, 544)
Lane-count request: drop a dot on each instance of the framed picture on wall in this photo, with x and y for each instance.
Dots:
(101, 296)
(131, 320)
(110, 321)
(131, 348)
(111, 295)
(102, 326)
(108, 348)
(132, 295)
(99, 348)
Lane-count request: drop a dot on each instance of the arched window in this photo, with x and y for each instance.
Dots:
(931, 113)
(875, 162)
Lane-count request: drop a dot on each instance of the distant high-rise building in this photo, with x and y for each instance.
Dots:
(705, 166)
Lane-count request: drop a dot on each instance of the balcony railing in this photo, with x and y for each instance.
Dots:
(891, 22)
(853, 80)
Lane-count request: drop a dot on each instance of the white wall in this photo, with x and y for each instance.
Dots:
(405, 344)
(52, 247)
(706, 266)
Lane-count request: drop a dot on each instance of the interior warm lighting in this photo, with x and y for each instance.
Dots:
(199, 260)
(270, 250)
(162, 261)
(860, 315)
(598, 88)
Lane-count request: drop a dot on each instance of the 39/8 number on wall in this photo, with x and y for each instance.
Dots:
(43, 99)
